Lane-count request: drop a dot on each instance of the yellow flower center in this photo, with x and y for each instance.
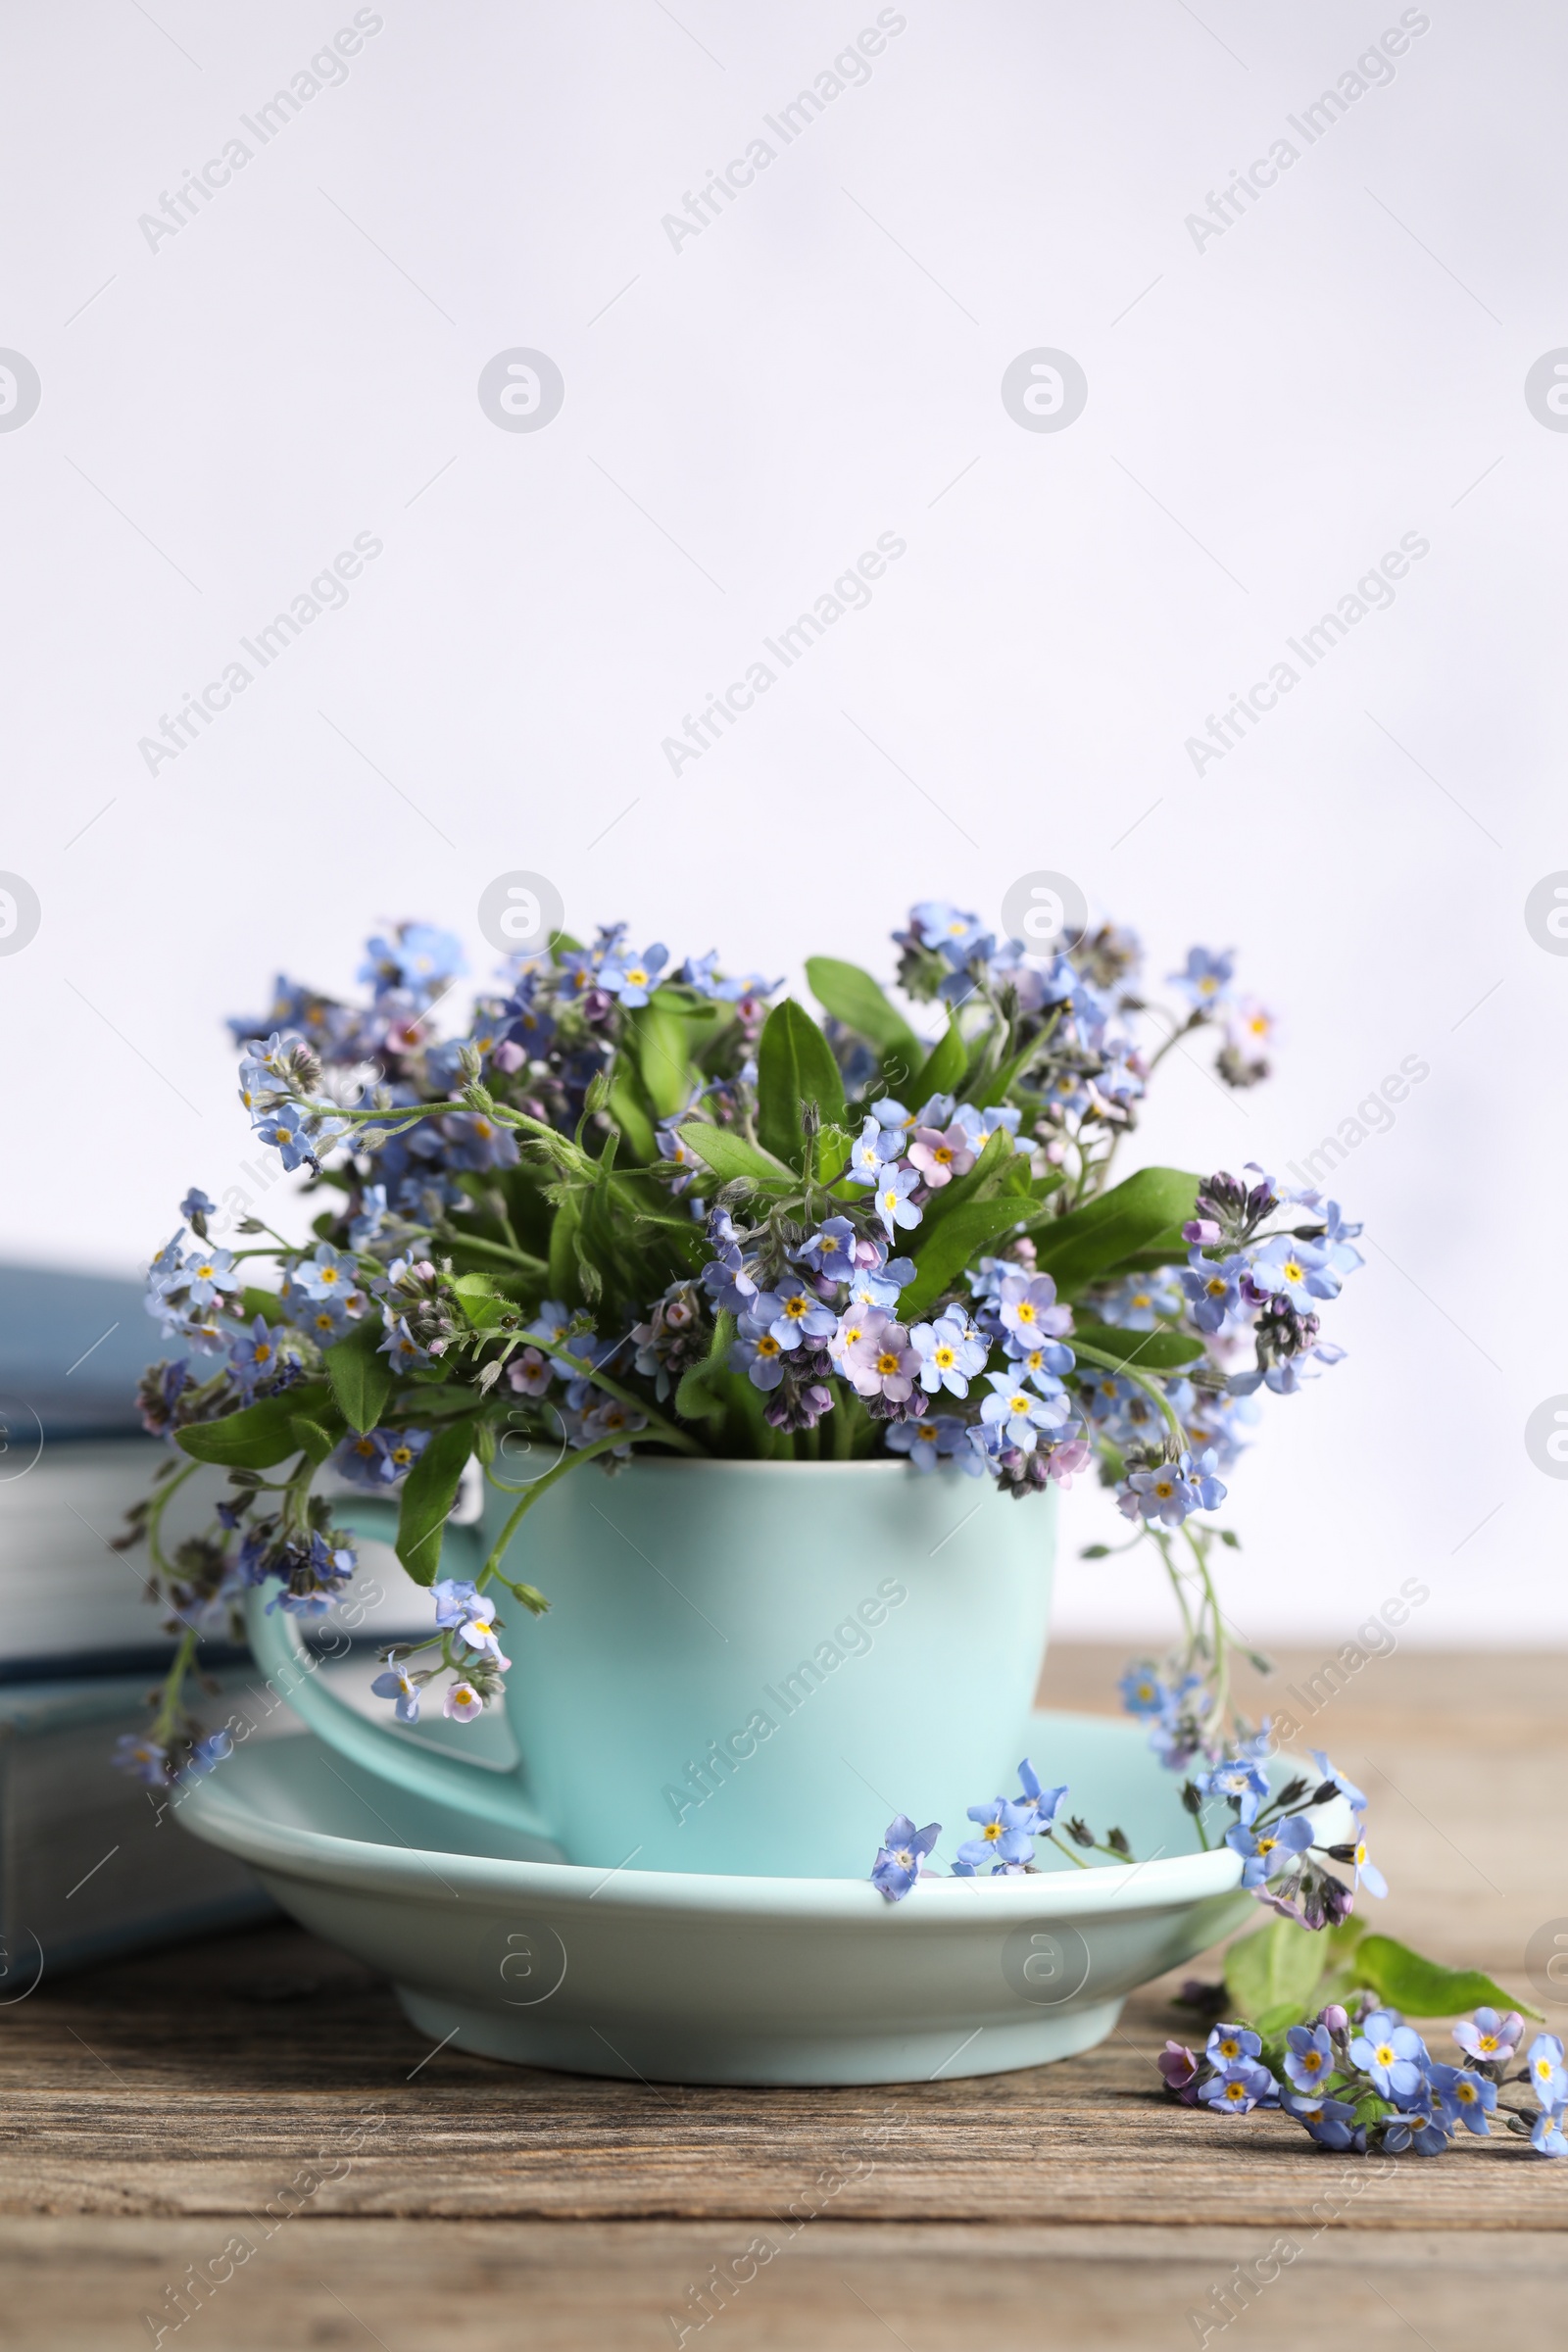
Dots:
(887, 1363)
(767, 1345)
(1384, 2053)
(944, 1358)
(992, 1831)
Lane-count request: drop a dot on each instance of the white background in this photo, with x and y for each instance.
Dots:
(1266, 416)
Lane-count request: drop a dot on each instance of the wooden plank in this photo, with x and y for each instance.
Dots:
(261, 2083)
(464, 2287)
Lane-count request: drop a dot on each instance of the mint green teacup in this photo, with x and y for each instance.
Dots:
(747, 1666)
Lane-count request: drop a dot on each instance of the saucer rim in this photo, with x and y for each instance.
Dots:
(222, 1816)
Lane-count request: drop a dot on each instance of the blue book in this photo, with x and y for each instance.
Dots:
(72, 1459)
(91, 1862)
(71, 1350)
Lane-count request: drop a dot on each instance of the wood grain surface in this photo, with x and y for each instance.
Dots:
(264, 2093)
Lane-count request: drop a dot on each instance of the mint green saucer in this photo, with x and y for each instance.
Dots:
(697, 1978)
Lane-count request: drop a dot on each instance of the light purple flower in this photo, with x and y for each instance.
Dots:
(1489, 2037)
(950, 1352)
(879, 1361)
(1029, 1308)
(902, 1858)
(1005, 1834)
(208, 1272)
(632, 978)
(1239, 2088)
(1017, 1413)
(873, 1148)
(830, 1251)
(1205, 979)
(397, 1683)
(329, 1274)
(941, 1153)
(894, 1185)
(530, 1373)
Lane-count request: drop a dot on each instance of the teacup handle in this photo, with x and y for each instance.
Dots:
(470, 1788)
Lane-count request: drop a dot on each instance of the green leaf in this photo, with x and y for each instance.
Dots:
(833, 1144)
(1425, 1988)
(795, 1066)
(731, 1158)
(1143, 1350)
(564, 1251)
(997, 1085)
(361, 1377)
(944, 1066)
(960, 1236)
(428, 1494)
(660, 1043)
(634, 1123)
(694, 1399)
(483, 1305)
(982, 1183)
(266, 1303)
(1274, 1972)
(260, 1436)
(311, 1438)
(1105, 1234)
(854, 997)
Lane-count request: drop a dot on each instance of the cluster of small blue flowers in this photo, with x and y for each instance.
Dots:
(1003, 1840)
(1279, 1840)
(1363, 2078)
(461, 1180)
(832, 1307)
(551, 1034)
(1080, 1008)
(469, 1635)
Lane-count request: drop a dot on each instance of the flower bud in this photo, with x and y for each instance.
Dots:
(1336, 2019)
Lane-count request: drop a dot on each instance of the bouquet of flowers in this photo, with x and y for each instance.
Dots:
(641, 1207)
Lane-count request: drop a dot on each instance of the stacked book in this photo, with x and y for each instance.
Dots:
(92, 1862)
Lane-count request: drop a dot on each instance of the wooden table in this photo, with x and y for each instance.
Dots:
(262, 2089)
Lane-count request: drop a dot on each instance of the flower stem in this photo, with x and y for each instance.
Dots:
(155, 1518)
(173, 1685)
(1116, 1363)
(667, 1430)
(528, 1595)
